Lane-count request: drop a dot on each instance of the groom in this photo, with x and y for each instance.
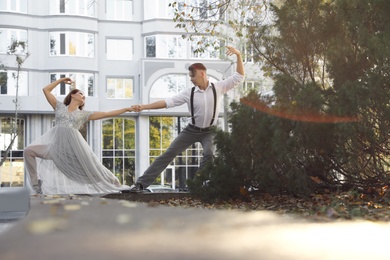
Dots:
(204, 100)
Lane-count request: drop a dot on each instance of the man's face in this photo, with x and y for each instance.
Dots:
(195, 76)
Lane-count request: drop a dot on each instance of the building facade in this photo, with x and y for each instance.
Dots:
(120, 53)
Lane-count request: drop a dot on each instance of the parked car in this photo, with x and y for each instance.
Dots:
(159, 188)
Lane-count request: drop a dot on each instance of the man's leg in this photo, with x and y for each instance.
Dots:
(182, 141)
(208, 149)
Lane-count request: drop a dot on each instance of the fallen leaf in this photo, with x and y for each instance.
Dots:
(46, 226)
(72, 207)
(123, 219)
(128, 204)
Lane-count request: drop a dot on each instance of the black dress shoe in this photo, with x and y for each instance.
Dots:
(137, 188)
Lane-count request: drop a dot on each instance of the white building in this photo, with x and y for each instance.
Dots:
(120, 53)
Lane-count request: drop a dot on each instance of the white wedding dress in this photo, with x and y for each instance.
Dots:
(65, 162)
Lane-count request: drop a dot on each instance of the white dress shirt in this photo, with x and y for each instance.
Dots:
(204, 99)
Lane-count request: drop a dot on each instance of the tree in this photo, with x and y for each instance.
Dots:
(223, 20)
(18, 49)
(328, 59)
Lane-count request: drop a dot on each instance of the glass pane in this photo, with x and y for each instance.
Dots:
(151, 46)
(7, 133)
(109, 163)
(118, 166)
(129, 171)
(119, 88)
(130, 153)
(108, 138)
(118, 133)
(107, 153)
(111, 88)
(129, 134)
(128, 84)
(168, 86)
(91, 46)
(119, 153)
(90, 86)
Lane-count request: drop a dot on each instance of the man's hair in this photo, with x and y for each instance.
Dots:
(196, 66)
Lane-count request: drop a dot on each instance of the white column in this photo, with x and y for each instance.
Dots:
(142, 145)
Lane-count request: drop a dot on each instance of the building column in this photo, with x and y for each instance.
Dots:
(142, 145)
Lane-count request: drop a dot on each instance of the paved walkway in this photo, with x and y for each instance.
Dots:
(85, 227)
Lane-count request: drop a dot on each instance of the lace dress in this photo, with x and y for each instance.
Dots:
(67, 164)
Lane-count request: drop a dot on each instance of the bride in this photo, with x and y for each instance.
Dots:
(61, 161)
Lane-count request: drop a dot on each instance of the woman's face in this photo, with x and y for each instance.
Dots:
(79, 96)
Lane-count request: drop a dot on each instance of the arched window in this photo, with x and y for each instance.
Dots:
(168, 86)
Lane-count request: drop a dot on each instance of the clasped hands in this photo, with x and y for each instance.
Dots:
(137, 108)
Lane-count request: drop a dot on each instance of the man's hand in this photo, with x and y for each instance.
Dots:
(231, 50)
(240, 66)
(136, 108)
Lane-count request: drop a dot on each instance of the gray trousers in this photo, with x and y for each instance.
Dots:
(185, 138)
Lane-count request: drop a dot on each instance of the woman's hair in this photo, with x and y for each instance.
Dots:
(68, 98)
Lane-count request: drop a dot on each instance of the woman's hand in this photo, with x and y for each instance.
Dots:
(68, 81)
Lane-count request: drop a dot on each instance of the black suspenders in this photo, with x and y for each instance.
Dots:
(192, 104)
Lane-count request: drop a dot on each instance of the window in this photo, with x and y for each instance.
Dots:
(150, 43)
(263, 87)
(119, 49)
(83, 82)
(203, 47)
(8, 36)
(168, 85)
(12, 170)
(248, 53)
(251, 85)
(119, 9)
(72, 44)
(175, 47)
(73, 7)
(172, 84)
(19, 6)
(158, 9)
(201, 9)
(119, 88)
(165, 46)
(162, 132)
(8, 83)
(118, 148)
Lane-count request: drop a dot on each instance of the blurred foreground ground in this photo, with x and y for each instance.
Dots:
(86, 227)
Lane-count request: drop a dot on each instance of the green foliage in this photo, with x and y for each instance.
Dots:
(220, 19)
(333, 58)
(325, 58)
(216, 182)
(265, 153)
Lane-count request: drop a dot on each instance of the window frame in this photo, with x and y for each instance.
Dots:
(17, 4)
(8, 35)
(115, 90)
(119, 7)
(84, 46)
(88, 86)
(114, 46)
(73, 7)
(11, 84)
